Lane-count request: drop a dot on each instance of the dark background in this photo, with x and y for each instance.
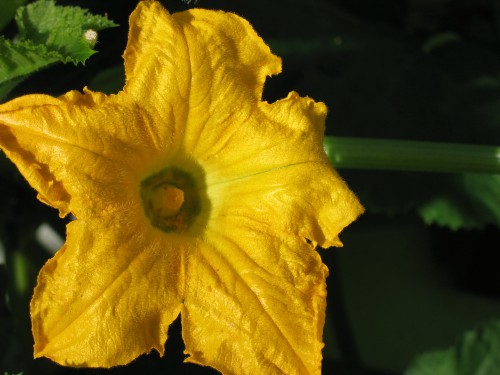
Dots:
(422, 70)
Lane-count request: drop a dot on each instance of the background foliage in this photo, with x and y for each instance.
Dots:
(420, 267)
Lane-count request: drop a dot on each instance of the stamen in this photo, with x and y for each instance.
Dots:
(167, 200)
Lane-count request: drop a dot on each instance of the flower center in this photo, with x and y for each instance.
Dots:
(170, 199)
(166, 200)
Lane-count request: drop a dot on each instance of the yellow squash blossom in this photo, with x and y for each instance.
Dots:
(192, 196)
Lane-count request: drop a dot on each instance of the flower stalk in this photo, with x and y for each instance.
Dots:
(418, 156)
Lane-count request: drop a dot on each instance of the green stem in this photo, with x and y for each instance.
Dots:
(366, 153)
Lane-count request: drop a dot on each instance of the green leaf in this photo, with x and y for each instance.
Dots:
(60, 29)
(7, 11)
(477, 352)
(7, 87)
(19, 60)
(48, 34)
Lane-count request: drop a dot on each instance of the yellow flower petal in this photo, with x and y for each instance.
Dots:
(156, 50)
(229, 63)
(192, 196)
(70, 164)
(248, 310)
(295, 199)
(267, 282)
(109, 294)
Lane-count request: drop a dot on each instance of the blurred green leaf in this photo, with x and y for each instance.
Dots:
(456, 201)
(434, 363)
(476, 353)
(439, 40)
(471, 201)
(48, 34)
